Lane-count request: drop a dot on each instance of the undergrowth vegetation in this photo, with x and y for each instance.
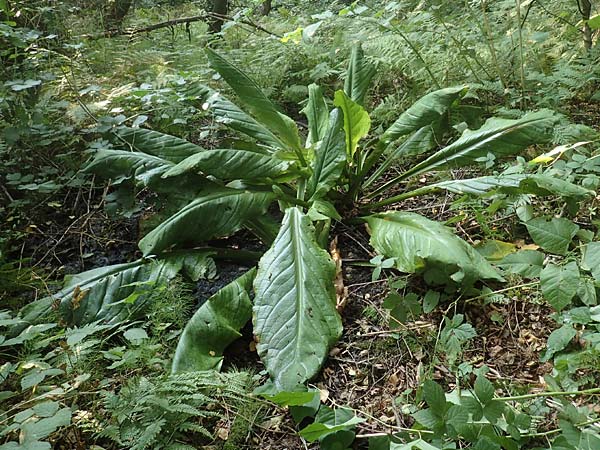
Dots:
(337, 225)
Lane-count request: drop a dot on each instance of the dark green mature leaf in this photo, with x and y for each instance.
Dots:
(214, 326)
(415, 242)
(554, 236)
(357, 122)
(121, 164)
(295, 320)
(418, 444)
(317, 113)
(109, 293)
(234, 164)
(217, 213)
(328, 421)
(358, 75)
(558, 340)
(500, 137)
(435, 397)
(158, 144)
(484, 389)
(255, 100)
(559, 284)
(330, 158)
(233, 117)
(426, 111)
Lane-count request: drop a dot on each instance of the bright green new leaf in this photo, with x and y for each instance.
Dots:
(358, 75)
(500, 137)
(426, 111)
(235, 164)
(295, 320)
(554, 236)
(357, 122)
(317, 113)
(214, 326)
(255, 100)
(594, 22)
(559, 284)
(217, 213)
(416, 242)
(330, 158)
(558, 340)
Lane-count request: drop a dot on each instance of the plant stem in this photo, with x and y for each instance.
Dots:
(533, 283)
(521, 61)
(592, 391)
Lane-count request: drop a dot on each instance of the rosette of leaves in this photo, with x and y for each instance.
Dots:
(333, 172)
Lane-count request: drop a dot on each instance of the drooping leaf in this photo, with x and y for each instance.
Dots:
(157, 144)
(255, 100)
(554, 236)
(416, 242)
(295, 320)
(330, 158)
(358, 75)
(317, 113)
(527, 263)
(229, 114)
(426, 111)
(217, 213)
(559, 284)
(357, 122)
(329, 420)
(235, 164)
(214, 326)
(117, 292)
(500, 137)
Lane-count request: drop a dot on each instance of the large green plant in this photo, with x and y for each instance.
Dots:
(334, 174)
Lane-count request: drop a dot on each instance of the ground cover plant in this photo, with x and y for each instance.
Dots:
(386, 255)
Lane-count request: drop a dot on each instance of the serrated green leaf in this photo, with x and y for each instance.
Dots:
(430, 301)
(484, 390)
(559, 284)
(493, 410)
(295, 320)
(553, 236)
(428, 419)
(357, 122)
(416, 242)
(435, 397)
(591, 259)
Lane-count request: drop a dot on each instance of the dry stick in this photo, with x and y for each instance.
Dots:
(170, 23)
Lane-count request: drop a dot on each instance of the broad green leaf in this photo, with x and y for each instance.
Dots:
(594, 22)
(494, 250)
(418, 444)
(425, 111)
(587, 292)
(217, 213)
(591, 259)
(527, 263)
(330, 158)
(435, 397)
(121, 164)
(102, 293)
(234, 164)
(214, 326)
(484, 389)
(229, 114)
(558, 340)
(317, 113)
(295, 320)
(500, 137)
(559, 284)
(554, 236)
(358, 75)
(416, 242)
(357, 122)
(157, 144)
(32, 431)
(255, 100)
(494, 410)
(328, 421)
